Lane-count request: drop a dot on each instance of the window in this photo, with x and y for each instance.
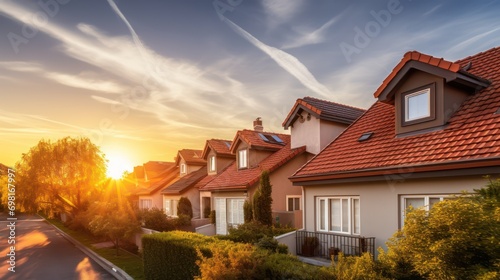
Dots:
(293, 203)
(171, 207)
(418, 105)
(242, 159)
(212, 164)
(339, 214)
(228, 213)
(419, 201)
(183, 168)
(145, 203)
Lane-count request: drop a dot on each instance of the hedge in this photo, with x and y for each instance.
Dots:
(172, 255)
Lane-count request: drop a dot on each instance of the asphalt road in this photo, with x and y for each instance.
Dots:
(43, 253)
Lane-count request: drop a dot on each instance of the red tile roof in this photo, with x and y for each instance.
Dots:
(186, 182)
(220, 147)
(232, 178)
(471, 138)
(167, 177)
(254, 141)
(192, 157)
(324, 110)
(416, 56)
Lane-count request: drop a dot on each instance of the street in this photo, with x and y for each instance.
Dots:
(40, 252)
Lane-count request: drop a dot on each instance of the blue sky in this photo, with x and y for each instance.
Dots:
(147, 78)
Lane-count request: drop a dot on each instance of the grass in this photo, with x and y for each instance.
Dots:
(127, 261)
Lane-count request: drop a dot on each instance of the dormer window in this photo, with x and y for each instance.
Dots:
(183, 168)
(418, 105)
(242, 159)
(211, 164)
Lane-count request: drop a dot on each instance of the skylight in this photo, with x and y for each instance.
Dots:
(271, 138)
(365, 136)
(227, 144)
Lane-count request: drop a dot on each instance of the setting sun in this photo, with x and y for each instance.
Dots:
(117, 165)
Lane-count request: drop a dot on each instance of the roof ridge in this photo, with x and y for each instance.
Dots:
(333, 102)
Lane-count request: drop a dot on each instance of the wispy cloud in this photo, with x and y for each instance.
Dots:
(435, 8)
(287, 61)
(282, 10)
(312, 37)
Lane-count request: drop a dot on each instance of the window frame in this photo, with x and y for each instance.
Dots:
(141, 203)
(426, 206)
(212, 164)
(171, 210)
(293, 197)
(245, 153)
(431, 89)
(324, 217)
(183, 168)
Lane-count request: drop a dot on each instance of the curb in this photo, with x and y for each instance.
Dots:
(115, 271)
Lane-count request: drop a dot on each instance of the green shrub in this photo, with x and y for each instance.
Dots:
(156, 219)
(184, 207)
(247, 211)
(182, 220)
(212, 217)
(206, 211)
(262, 201)
(173, 255)
(355, 268)
(271, 244)
(228, 260)
(252, 232)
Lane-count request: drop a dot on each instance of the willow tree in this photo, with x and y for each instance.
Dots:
(53, 176)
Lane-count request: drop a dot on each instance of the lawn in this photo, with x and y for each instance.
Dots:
(130, 263)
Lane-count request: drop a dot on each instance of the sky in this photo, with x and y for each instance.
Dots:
(144, 79)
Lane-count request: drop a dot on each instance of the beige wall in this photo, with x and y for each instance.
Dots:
(282, 186)
(380, 201)
(329, 131)
(315, 134)
(193, 196)
(220, 162)
(306, 134)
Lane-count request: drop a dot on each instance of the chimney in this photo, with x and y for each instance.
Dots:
(257, 125)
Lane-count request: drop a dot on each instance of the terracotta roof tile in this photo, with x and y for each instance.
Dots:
(192, 157)
(472, 133)
(232, 178)
(324, 110)
(219, 146)
(252, 138)
(186, 182)
(416, 56)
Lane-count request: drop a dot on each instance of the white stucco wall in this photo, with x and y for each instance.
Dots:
(306, 134)
(380, 201)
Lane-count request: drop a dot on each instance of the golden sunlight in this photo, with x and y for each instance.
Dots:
(117, 165)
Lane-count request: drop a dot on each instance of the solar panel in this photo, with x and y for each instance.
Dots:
(277, 139)
(263, 137)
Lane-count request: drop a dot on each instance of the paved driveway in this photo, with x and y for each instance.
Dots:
(43, 253)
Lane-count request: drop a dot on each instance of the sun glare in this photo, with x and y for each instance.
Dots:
(117, 165)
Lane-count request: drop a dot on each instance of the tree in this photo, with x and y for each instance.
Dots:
(55, 176)
(262, 201)
(184, 207)
(247, 211)
(458, 238)
(156, 219)
(112, 217)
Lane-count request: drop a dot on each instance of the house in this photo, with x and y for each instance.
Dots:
(151, 178)
(191, 169)
(314, 123)
(218, 155)
(433, 132)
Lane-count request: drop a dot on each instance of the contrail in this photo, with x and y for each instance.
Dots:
(287, 61)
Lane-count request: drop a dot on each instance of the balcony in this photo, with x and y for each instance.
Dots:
(326, 245)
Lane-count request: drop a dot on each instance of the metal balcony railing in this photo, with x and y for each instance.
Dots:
(326, 245)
